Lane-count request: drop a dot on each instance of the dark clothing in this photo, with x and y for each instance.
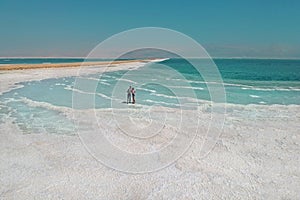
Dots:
(133, 95)
(133, 98)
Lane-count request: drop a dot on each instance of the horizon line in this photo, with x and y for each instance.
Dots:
(81, 57)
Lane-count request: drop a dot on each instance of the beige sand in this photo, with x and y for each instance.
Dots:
(62, 65)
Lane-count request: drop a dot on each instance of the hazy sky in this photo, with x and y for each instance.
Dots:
(253, 28)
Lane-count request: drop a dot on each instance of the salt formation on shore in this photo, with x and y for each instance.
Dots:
(256, 157)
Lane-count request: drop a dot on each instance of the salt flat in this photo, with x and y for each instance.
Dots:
(256, 156)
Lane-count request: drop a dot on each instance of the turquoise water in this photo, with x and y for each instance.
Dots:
(246, 81)
(251, 81)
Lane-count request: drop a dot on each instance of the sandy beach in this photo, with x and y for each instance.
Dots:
(64, 65)
(256, 156)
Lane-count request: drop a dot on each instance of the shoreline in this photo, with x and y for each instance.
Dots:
(257, 150)
(35, 72)
(11, 78)
(8, 67)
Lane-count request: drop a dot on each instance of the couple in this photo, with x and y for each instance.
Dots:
(130, 92)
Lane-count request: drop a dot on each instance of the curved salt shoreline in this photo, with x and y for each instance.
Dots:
(10, 78)
(62, 65)
(255, 157)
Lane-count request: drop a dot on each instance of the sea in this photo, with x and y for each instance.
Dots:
(246, 82)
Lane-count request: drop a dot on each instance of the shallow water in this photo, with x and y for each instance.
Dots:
(264, 82)
(245, 81)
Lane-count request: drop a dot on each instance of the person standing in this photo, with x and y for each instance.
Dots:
(133, 95)
(129, 95)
